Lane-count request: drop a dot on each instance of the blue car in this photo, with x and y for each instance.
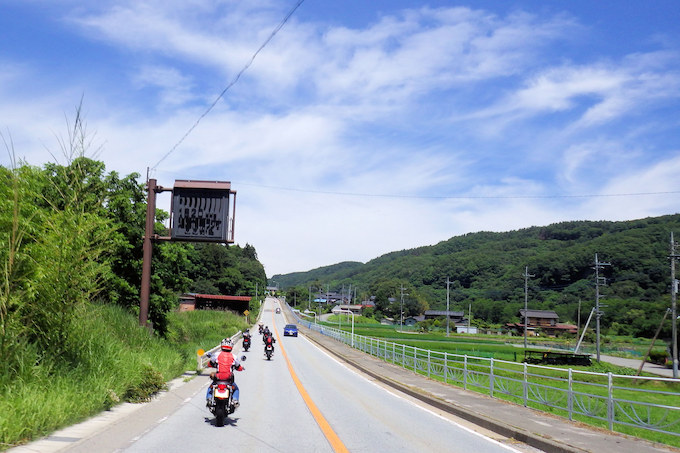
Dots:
(290, 329)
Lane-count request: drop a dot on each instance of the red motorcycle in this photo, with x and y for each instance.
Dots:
(220, 403)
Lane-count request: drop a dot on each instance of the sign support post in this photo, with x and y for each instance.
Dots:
(148, 252)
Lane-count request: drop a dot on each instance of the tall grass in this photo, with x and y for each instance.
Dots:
(111, 360)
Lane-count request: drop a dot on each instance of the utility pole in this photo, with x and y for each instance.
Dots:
(526, 302)
(674, 299)
(401, 310)
(578, 318)
(147, 248)
(598, 313)
(447, 306)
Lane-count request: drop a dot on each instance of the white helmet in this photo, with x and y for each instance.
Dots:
(227, 345)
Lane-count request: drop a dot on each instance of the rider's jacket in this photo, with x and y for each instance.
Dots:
(225, 361)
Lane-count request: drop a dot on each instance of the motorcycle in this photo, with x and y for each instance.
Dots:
(220, 402)
(246, 343)
(269, 350)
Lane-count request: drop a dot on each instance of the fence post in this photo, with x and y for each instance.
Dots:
(403, 356)
(526, 386)
(570, 395)
(465, 372)
(429, 362)
(446, 367)
(610, 401)
(491, 378)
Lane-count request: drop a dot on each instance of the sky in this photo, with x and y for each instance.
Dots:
(354, 128)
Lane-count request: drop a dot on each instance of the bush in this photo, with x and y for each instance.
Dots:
(658, 357)
(150, 382)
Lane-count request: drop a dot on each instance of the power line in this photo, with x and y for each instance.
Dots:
(457, 197)
(233, 82)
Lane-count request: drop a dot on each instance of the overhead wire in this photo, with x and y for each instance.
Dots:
(456, 197)
(232, 83)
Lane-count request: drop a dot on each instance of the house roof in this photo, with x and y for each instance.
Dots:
(443, 313)
(220, 297)
(546, 314)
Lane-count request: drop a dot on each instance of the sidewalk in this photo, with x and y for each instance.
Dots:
(537, 429)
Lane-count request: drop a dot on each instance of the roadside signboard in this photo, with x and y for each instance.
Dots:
(200, 211)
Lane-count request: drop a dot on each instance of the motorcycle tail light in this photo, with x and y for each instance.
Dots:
(222, 387)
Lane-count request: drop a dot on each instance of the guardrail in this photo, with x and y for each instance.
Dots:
(613, 400)
(202, 360)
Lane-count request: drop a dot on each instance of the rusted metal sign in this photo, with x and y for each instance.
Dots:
(200, 211)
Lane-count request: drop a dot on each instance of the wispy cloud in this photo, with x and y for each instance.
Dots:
(352, 138)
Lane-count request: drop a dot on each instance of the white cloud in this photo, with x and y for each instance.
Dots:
(176, 88)
(424, 102)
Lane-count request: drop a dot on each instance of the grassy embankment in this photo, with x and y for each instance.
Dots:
(112, 360)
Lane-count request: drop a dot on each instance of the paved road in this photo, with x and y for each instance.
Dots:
(658, 370)
(304, 400)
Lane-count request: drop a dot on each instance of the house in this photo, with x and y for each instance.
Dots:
(370, 302)
(192, 301)
(546, 321)
(356, 309)
(329, 298)
(455, 316)
(466, 329)
(413, 320)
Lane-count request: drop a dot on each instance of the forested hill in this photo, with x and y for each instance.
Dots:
(486, 271)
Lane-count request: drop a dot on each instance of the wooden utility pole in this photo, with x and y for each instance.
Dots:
(147, 253)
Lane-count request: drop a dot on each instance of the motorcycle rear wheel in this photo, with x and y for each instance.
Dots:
(220, 414)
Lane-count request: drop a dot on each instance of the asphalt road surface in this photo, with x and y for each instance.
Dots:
(305, 401)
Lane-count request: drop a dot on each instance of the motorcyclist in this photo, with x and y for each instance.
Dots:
(260, 327)
(269, 340)
(246, 339)
(224, 362)
(265, 332)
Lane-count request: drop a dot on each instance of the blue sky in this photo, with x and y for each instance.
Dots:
(362, 127)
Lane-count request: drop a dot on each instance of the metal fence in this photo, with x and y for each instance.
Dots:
(613, 400)
(202, 360)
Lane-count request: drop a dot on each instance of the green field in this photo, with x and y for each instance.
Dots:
(510, 349)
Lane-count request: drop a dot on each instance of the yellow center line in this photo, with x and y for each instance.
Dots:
(332, 438)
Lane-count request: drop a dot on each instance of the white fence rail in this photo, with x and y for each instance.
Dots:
(202, 360)
(611, 398)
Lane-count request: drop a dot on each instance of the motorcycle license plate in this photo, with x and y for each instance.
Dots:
(221, 393)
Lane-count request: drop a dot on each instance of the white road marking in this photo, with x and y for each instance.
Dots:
(398, 394)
